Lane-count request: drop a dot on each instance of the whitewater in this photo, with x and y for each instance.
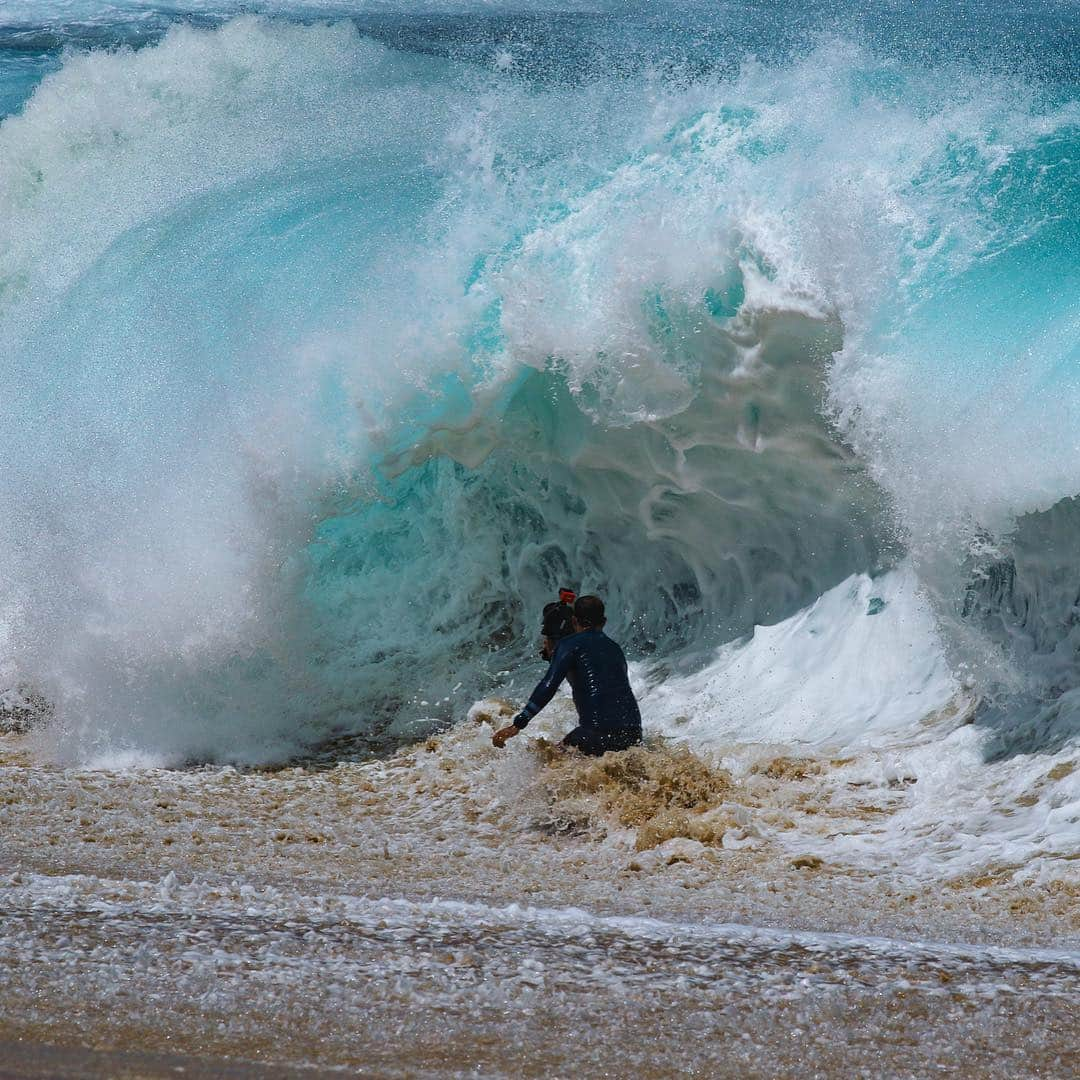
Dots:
(336, 337)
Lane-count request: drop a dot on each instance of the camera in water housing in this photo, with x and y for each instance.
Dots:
(557, 622)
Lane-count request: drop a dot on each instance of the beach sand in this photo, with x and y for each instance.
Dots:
(454, 911)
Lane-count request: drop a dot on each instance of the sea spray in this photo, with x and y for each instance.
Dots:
(326, 360)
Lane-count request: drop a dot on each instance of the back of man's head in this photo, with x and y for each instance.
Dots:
(589, 612)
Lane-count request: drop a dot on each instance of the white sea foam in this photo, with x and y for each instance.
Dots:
(859, 679)
(863, 660)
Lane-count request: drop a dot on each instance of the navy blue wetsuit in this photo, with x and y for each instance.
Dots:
(608, 712)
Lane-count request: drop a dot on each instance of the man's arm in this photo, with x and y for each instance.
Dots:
(544, 692)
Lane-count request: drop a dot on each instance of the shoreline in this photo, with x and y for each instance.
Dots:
(450, 910)
(250, 984)
(42, 1060)
(449, 820)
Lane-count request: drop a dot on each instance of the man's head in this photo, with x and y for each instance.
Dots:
(589, 613)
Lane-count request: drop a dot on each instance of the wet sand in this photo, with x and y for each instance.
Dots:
(30, 1060)
(452, 911)
(403, 990)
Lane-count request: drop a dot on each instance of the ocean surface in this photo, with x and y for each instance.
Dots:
(336, 337)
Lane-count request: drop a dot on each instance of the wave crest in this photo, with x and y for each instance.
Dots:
(393, 345)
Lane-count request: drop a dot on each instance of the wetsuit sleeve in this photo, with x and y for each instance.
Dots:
(546, 687)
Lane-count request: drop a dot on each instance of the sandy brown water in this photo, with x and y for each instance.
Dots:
(454, 911)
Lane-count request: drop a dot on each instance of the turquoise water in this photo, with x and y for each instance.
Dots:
(334, 338)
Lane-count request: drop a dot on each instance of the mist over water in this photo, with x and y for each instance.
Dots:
(334, 339)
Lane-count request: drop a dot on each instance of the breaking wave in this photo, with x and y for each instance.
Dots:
(327, 355)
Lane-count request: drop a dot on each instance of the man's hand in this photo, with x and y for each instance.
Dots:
(499, 738)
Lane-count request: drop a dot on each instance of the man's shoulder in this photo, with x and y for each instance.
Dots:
(583, 640)
(589, 639)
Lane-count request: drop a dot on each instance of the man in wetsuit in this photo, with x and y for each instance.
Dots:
(596, 669)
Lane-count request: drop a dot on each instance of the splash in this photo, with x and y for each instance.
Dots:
(658, 792)
(326, 358)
